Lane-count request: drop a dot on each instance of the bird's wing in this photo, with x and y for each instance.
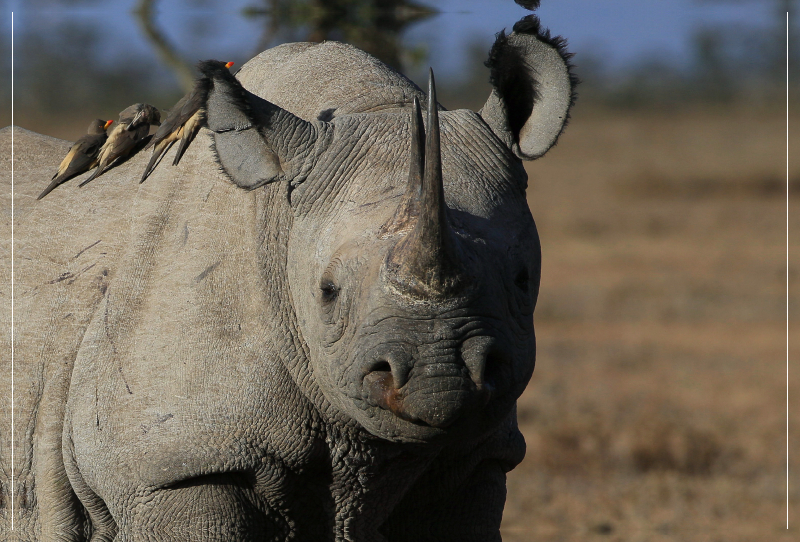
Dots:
(189, 130)
(119, 144)
(62, 167)
(90, 144)
(170, 124)
(194, 101)
(80, 163)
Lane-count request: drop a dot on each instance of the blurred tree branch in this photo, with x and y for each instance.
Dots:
(145, 15)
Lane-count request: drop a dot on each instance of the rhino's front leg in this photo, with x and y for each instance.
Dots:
(460, 498)
(217, 507)
(207, 508)
(368, 481)
(469, 510)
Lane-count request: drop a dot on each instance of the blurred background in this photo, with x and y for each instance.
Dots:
(658, 407)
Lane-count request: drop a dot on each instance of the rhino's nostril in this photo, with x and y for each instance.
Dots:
(380, 366)
(494, 367)
(381, 391)
(387, 360)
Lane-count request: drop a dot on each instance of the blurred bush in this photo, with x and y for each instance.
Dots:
(376, 26)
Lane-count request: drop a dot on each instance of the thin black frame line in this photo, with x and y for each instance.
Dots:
(12, 273)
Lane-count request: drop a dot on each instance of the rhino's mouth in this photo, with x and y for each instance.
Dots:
(439, 397)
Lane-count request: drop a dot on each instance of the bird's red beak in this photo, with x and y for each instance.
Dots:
(228, 64)
(108, 123)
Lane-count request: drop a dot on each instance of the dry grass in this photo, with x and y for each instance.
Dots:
(657, 409)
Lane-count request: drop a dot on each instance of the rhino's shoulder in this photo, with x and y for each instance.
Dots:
(319, 81)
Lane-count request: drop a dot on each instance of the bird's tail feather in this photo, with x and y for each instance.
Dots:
(96, 173)
(185, 141)
(51, 187)
(158, 153)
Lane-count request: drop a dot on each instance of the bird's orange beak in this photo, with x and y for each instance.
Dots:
(228, 64)
(108, 123)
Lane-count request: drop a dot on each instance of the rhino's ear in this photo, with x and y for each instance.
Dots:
(255, 141)
(534, 88)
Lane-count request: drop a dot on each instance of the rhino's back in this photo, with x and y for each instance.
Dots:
(62, 243)
(319, 81)
(63, 248)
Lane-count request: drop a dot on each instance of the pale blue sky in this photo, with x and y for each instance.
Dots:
(617, 32)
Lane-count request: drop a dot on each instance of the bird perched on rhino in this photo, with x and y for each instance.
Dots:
(184, 119)
(134, 125)
(82, 156)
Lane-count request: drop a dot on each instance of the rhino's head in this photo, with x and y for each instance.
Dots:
(413, 261)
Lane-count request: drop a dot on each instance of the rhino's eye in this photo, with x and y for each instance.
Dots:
(329, 291)
(523, 280)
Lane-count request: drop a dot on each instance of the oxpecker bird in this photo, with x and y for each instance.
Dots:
(184, 119)
(134, 125)
(82, 156)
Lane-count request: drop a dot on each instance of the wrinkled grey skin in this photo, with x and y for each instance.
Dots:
(183, 370)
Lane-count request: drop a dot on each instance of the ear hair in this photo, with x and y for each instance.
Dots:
(528, 4)
(511, 75)
(533, 88)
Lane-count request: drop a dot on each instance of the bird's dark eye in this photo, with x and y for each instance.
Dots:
(329, 291)
(522, 280)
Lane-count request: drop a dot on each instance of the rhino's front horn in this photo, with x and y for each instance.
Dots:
(425, 263)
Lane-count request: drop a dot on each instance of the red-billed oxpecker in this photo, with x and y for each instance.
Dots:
(134, 125)
(183, 121)
(82, 156)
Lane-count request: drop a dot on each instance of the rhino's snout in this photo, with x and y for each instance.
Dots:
(436, 389)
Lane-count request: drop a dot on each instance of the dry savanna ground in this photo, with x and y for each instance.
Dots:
(658, 407)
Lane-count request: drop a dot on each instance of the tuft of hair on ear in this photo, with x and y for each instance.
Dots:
(528, 4)
(512, 76)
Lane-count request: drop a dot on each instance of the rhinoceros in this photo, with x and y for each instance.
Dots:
(316, 327)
